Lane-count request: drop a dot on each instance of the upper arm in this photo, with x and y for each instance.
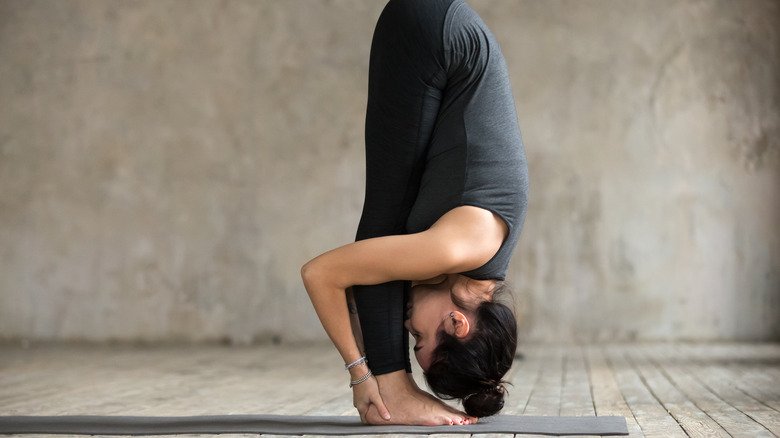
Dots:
(459, 241)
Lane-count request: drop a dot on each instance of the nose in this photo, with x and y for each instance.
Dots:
(407, 326)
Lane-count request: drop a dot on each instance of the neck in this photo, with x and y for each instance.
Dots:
(471, 292)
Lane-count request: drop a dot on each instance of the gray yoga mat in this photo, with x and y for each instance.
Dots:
(299, 425)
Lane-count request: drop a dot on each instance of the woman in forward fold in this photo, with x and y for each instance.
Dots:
(445, 201)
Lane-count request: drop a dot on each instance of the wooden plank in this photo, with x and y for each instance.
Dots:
(176, 382)
(107, 385)
(523, 380)
(45, 374)
(693, 420)
(545, 399)
(754, 369)
(576, 398)
(607, 398)
(672, 362)
(287, 376)
(720, 382)
(648, 411)
(757, 382)
(232, 381)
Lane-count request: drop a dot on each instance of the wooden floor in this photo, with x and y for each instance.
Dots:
(662, 389)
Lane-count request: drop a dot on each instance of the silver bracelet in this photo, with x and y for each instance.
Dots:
(355, 363)
(360, 380)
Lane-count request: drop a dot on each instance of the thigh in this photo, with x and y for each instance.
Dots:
(405, 83)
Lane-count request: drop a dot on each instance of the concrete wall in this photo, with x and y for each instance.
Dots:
(167, 166)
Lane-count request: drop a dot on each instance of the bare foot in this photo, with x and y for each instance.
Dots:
(468, 419)
(408, 406)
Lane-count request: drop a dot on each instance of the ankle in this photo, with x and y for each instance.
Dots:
(394, 380)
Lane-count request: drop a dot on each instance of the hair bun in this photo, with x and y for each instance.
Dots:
(486, 402)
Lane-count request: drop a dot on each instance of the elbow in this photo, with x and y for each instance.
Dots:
(319, 273)
(313, 273)
(308, 271)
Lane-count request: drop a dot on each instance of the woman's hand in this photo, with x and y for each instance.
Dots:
(366, 394)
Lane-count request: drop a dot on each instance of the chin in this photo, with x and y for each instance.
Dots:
(425, 363)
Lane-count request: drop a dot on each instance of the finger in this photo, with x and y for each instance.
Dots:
(380, 406)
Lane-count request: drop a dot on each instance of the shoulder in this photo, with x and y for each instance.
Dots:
(474, 234)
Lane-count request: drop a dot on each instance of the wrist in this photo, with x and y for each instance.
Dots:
(358, 370)
(356, 362)
(362, 378)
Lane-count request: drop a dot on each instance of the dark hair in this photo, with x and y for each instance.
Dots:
(472, 370)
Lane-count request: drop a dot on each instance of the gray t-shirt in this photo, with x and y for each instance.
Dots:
(475, 155)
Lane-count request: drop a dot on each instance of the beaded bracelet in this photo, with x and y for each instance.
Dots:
(355, 363)
(360, 380)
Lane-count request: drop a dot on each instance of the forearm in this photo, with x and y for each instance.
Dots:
(330, 304)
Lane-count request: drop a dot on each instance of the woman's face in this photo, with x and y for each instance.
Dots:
(431, 310)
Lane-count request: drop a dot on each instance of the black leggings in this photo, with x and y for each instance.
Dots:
(405, 82)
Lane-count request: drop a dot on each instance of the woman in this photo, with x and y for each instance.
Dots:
(446, 196)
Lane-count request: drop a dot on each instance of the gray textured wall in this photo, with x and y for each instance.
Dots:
(167, 166)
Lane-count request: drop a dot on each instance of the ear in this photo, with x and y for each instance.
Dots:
(457, 325)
